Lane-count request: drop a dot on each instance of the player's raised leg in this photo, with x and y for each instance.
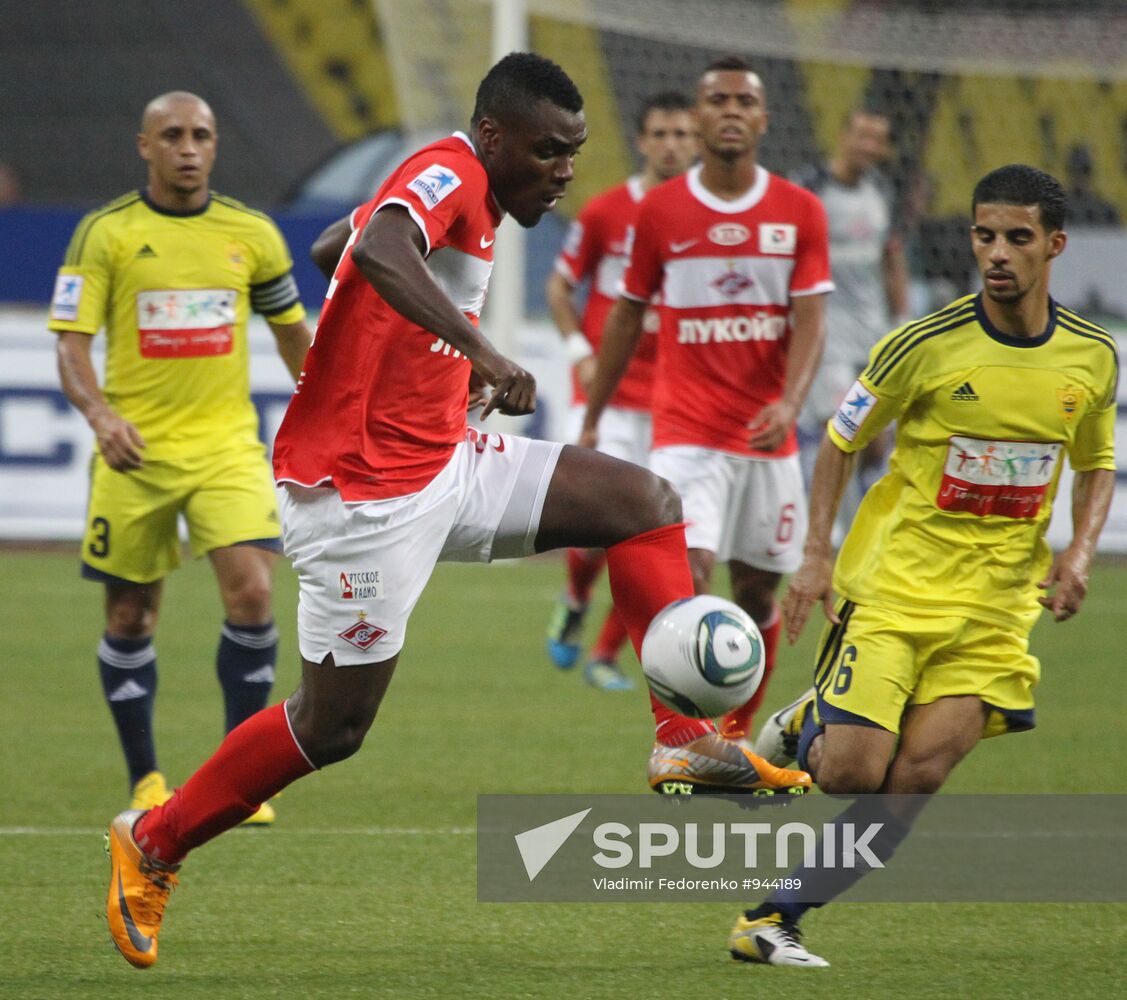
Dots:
(594, 500)
(597, 501)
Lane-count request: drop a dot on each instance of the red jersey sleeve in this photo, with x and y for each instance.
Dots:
(437, 189)
(646, 267)
(811, 274)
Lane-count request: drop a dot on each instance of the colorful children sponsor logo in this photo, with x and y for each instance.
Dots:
(999, 478)
(186, 322)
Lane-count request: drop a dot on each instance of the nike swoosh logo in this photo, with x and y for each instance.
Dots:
(138, 940)
(678, 247)
(486, 244)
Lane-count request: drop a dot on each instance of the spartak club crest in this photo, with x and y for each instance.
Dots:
(362, 634)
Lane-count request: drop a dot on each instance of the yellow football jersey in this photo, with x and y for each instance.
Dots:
(984, 421)
(174, 293)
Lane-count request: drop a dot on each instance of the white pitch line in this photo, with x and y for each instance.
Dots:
(464, 831)
(388, 831)
(369, 831)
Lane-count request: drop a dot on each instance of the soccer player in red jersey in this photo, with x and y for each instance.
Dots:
(596, 250)
(381, 477)
(741, 260)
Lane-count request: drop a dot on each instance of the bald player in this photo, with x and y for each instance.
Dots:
(170, 274)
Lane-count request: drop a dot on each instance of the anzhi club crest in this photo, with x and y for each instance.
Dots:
(1069, 399)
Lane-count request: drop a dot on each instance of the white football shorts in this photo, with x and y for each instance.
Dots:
(624, 434)
(362, 566)
(750, 510)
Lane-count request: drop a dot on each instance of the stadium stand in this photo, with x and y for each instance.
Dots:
(74, 84)
(335, 51)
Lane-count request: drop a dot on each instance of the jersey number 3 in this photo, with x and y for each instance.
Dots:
(99, 546)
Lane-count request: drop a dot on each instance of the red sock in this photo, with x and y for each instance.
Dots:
(256, 760)
(737, 723)
(612, 637)
(647, 572)
(583, 568)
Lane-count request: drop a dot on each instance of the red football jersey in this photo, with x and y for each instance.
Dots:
(597, 247)
(381, 402)
(727, 271)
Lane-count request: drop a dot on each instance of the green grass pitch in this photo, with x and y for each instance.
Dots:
(366, 886)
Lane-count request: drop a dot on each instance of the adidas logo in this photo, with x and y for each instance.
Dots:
(965, 394)
(128, 691)
(145, 251)
(263, 675)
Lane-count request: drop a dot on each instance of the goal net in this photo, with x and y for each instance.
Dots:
(967, 87)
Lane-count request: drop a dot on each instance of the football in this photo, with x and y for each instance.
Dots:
(703, 656)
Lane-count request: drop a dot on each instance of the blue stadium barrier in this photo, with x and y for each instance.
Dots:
(34, 239)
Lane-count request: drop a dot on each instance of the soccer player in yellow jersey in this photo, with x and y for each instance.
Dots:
(945, 568)
(171, 274)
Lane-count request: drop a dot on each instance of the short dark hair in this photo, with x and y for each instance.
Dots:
(731, 63)
(521, 79)
(1020, 184)
(664, 100)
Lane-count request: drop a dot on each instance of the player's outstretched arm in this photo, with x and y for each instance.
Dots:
(620, 337)
(1067, 582)
(119, 442)
(813, 581)
(389, 253)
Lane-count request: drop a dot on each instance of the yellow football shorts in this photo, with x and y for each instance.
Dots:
(131, 520)
(881, 660)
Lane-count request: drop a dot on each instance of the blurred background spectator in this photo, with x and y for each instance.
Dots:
(1086, 207)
